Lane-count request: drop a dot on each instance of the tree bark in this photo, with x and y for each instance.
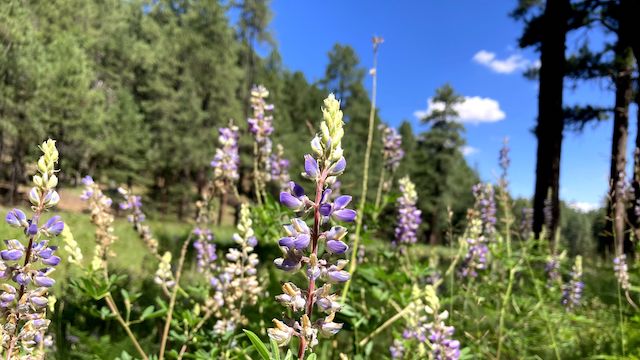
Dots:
(616, 205)
(550, 113)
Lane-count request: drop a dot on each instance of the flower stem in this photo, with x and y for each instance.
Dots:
(125, 325)
(379, 192)
(172, 301)
(315, 234)
(365, 176)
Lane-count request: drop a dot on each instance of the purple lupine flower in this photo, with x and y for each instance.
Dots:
(300, 246)
(476, 257)
(526, 224)
(294, 198)
(396, 349)
(17, 218)
(392, 152)
(552, 268)
(622, 271)
(136, 216)
(261, 127)
(280, 167)
(54, 226)
(486, 206)
(337, 209)
(504, 162)
(23, 302)
(572, 291)
(409, 219)
(226, 161)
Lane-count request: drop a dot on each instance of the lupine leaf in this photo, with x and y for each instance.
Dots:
(275, 350)
(258, 344)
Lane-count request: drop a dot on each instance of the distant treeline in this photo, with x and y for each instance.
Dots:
(134, 92)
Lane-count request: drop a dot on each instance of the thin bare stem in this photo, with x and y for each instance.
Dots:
(172, 301)
(125, 325)
(365, 173)
(379, 192)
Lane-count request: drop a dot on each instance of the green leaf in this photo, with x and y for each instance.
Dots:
(258, 344)
(147, 312)
(275, 350)
(312, 356)
(289, 355)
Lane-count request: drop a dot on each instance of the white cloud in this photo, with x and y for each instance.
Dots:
(474, 110)
(506, 66)
(468, 150)
(583, 206)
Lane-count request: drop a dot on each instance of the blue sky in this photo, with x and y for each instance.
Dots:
(429, 43)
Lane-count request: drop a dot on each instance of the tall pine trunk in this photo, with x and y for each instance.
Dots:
(630, 27)
(616, 205)
(550, 114)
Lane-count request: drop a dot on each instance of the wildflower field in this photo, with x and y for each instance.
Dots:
(171, 191)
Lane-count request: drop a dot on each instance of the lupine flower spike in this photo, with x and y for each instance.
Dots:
(261, 127)
(301, 243)
(572, 292)
(280, 168)
(26, 266)
(102, 218)
(481, 231)
(426, 325)
(226, 161)
(133, 203)
(408, 214)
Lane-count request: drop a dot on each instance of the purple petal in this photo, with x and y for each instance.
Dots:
(22, 279)
(338, 167)
(39, 301)
(311, 166)
(289, 201)
(297, 190)
(337, 246)
(32, 229)
(16, 218)
(302, 241)
(342, 201)
(11, 255)
(339, 275)
(43, 281)
(52, 261)
(325, 209)
(55, 225)
(286, 241)
(87, 180)
(346, 215)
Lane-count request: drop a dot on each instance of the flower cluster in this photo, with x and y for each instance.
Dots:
(226, 161)
(25, 269)
(552, 268)
(300, 245)
(408, 214)
(485, 205)
(526, 224)
(261, 126)
(133, 203)
(504, 162)
(102, 218)
(572, 292)
(392, 152)
(426, 324)
(280, 167)
(481, 230)
(241, 286)
(477, 249)
(622, 271)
